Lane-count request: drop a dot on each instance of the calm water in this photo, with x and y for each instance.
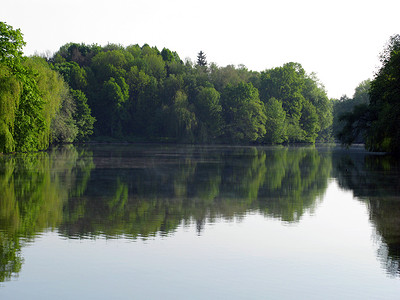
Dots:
(186, 222)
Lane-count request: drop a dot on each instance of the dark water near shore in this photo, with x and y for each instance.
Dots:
(199, 222)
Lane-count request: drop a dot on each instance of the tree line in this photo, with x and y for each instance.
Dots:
(37, 106)
(140, 93)
(374, 119)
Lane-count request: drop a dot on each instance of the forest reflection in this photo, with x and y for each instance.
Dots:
(143, 191)
(34, 190)
(375, 180)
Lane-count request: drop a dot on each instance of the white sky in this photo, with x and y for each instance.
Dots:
(338, 40)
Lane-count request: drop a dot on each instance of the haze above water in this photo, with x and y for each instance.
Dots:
(199, 222)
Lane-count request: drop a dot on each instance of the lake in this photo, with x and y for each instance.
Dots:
(199, 222)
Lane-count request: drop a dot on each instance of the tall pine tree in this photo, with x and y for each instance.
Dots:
(201, 59)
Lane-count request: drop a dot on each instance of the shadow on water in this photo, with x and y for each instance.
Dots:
(140, 191)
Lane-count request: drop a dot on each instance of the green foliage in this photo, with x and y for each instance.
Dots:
(181, 121)
(152, 95)
(73, 74)
(345, 105)
(21, 122)
(154, 66)
(309, 122)
(82, 116)
(115, 93)
(167, 55)
(29, 121)
(140, 92)
(275, 125)
(78, 53)
(314, 92)
(209, 113)
(10, 90)
(55, 95)
(11, 44)
(63, 127)
(165, 99)
(308, 109)
(384, 130)
(355, 124)
(379, 119)
(243, 113)
(285, 83)
(36, 106)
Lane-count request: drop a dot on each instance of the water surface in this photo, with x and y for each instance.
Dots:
(199, 222)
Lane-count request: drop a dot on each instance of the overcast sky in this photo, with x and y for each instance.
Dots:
(338, 40)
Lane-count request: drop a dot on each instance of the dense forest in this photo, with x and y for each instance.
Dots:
(138, 93)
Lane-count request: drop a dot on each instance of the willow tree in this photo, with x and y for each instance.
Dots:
(21, 120)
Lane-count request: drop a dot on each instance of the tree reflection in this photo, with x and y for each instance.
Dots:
(144, 191)
(375, 179)
(35, 188)
(153, 193)
(140, 192)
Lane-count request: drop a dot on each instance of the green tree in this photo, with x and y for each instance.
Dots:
(10, 90)
(155, 66)
(222, 76)
(286, 84)
(167, 55)
(309, 122)
(355, 126)
(57, 103)
(27, 119)
(115, 94)
(11, 44)
(344, 105)
(109, 64)
(380, 118)
(181, 120)
(314, 92)
(243, 113)
(275, 124)
(63, 126)
(82, 116)
(73, 74)
(201, 59)
(209, 114)
(384, 131)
